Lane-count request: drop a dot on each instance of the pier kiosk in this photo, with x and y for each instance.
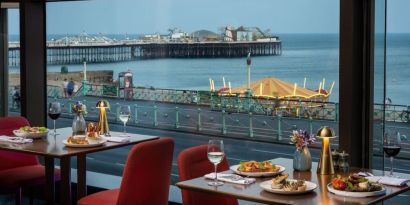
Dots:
(125, 85)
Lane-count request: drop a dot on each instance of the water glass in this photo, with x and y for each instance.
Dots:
(215, 156)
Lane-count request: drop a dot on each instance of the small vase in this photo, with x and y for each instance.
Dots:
(302, 160)
(79, 125)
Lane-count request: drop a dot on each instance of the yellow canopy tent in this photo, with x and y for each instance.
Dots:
(274, 88)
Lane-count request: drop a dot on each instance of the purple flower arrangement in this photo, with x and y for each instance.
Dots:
(301, 139)
(79, 108)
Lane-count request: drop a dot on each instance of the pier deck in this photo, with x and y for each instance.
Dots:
(132, 50)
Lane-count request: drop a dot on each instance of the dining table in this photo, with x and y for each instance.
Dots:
(52, 147)
(319, 196)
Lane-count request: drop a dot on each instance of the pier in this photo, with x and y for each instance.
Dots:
(128, 51)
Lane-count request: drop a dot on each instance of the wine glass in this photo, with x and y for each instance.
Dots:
(54, 112)
(391, 147)
(124, 115)
(215, 156)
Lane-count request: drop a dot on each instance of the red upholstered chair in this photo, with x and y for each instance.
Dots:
(18, 170)
(146, 177)
(192, 163)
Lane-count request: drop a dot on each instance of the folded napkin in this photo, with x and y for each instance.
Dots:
(392, 181)
(18, 140)
(231, 178)
(117, 139)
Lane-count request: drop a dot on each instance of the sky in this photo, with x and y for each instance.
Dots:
(150, 16)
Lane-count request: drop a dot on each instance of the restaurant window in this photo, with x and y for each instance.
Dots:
(182, 69)
(10, 73)
(379, 83)
(392, 41)
(14, 62)
(390, 66)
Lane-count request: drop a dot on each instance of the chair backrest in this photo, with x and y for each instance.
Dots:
(14, 159)
(192, 163)
(147, 173)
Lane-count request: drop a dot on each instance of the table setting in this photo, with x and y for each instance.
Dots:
(271, 181)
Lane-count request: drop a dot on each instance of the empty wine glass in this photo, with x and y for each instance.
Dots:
(124, 116)
(215, 156)
(54, 112)
(391, 147)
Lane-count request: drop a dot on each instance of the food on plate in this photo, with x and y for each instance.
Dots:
(297, 185)
(28, 129)
(92, 132)
(76, 139)
(278, 181)
(339, 184)
(281, 182)
(355, 183)
(254, 166)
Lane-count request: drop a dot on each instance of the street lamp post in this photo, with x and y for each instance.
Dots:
(248, 92)
(85, 79)
(248, 63)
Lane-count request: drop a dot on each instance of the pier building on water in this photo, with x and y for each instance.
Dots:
(101, 49)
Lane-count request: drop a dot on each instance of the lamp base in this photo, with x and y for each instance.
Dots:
(325, 166)
(103, 123)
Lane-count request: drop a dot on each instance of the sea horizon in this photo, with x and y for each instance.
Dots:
(310, 55)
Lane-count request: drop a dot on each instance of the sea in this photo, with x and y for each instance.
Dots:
(311, 56)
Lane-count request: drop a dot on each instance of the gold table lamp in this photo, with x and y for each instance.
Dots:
(325, 165)
(103, 128)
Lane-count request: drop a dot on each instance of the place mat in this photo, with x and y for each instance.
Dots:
(231, 178)
(392, 181)
(18, 140)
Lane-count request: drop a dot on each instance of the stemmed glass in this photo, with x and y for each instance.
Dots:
(54, 112)
(125, 115)
(391, 147)
(215, 156)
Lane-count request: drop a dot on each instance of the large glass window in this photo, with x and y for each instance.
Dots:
(397, 115)
(391, 93)
(379, 83)
(182, 68)
(391, 76)
(9, 64)
(14, 61)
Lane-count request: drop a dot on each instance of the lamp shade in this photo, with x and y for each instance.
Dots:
(325, 132)
(103, 104)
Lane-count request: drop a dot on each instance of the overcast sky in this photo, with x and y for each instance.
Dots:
(149, 16)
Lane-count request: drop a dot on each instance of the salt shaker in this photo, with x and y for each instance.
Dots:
(335, 159)
(344, 161)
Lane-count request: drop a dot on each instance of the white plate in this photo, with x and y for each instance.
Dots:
(267, 186)
(355, 194)
(234, 168)
(30, 135)
(90, 143)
